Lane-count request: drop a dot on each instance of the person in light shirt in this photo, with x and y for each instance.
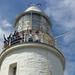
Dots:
(36, 37)
(30, 36)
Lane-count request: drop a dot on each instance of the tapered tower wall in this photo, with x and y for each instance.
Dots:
(33, 59)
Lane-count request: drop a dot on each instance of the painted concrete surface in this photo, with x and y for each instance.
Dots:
(32, 61)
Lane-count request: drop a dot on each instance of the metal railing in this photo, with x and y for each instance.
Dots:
(28, 36)
(21, 37)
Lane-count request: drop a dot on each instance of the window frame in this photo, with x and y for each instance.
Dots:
(13, 69)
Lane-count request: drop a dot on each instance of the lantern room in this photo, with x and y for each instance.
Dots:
(33, 19)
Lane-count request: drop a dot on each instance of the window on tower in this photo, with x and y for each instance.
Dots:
(45, 25)
(36, 20)
(26, 22)
(13, 69)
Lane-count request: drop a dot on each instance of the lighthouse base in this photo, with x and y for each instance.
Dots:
(31, 59)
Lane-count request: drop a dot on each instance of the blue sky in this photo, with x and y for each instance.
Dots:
(62, 15)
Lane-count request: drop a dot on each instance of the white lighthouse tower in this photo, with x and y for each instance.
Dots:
(30, 50)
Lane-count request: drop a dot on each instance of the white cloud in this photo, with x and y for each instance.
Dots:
(69, 38)
(70, 68)
(62, 12)
(1, 46)
(3, 25)
(70, 4)
(2, 32)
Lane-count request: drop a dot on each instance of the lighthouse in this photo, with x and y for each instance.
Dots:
(31, 50)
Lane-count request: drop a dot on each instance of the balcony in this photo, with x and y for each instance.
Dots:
(27, 37)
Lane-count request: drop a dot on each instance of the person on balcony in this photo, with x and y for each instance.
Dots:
(36, 37)
(9, 39)
(5, 42)
(30, 37)
(25, 36)
(15, 38)
(22, 36)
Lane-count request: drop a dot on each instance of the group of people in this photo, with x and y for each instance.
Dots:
(20, 37)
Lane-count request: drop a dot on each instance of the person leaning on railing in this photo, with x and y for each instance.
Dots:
(36, 36)
(30, 36)
(5, 42)
(15, 38)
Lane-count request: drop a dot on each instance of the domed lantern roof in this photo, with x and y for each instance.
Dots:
(33, 8)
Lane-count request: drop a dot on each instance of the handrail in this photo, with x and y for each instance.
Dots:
(23, 37)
